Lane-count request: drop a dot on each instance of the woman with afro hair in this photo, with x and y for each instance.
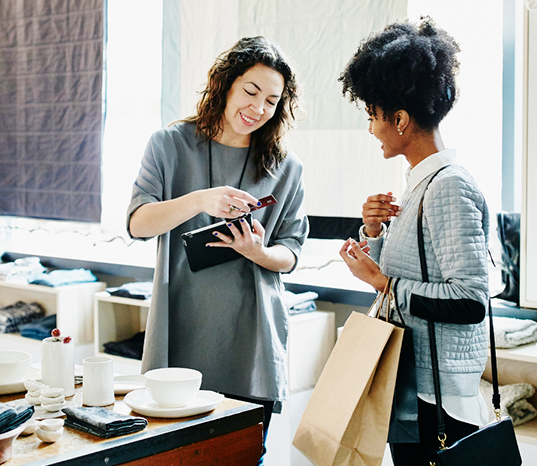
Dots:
(405, 77)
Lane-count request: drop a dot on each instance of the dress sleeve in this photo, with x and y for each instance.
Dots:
(293, 228)
(456, 222)
(149, 184)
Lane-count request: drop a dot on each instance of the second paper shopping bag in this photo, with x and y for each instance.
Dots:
(347, 419)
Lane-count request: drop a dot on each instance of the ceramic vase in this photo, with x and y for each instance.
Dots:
(58, 365)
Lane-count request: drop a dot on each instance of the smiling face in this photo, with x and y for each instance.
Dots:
(250, 103)
(385, 131)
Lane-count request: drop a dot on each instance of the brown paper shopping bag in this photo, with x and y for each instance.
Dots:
(347, 419)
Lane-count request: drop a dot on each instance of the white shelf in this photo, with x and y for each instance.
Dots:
(116, 319)
(72, 304)
(516, 365)
(527, 433)
(526, 353)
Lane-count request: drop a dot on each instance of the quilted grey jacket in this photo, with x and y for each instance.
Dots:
(455, 224)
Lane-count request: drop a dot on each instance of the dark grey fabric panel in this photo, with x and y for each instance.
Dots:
(51, 72)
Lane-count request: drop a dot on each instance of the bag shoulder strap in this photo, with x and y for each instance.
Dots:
(432, 335)
(430, 324)
(421, 243)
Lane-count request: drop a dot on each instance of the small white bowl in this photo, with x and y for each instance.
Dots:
(53, 407)
(29, 427)
(51, 424)
(45, 400)
(48, 436)
(33, 400)
(52, 392)
(173, 387)
(13, 366)
(34, 386)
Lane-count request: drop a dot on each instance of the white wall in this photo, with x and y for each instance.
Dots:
(343, 162)
(474, 127)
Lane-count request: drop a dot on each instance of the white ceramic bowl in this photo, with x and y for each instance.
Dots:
(6, 443)
(173, 387)
(13, 366)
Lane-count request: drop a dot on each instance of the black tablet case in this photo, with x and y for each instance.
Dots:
(199, 255)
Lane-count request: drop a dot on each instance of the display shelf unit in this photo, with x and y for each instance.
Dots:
(311, 336)
(519, 365)
(72, 304)
(116, 319)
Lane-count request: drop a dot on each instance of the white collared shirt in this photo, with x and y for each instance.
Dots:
(415, 175)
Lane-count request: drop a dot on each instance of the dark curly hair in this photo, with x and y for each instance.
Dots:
(405, 66)
(267, 142)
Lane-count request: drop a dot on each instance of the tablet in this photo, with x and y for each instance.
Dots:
(200, 256)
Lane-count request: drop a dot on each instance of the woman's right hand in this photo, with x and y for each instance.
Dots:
(156, 218)
(377, 209)
(225, 201)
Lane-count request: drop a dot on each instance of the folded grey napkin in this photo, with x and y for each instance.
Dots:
(12, 416)
(102, 422)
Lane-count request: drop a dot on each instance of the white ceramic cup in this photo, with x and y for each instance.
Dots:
(98, 381)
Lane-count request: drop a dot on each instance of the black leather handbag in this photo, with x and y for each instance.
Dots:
(494, 444)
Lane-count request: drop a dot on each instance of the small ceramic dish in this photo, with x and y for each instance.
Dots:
(33, 400)
(53, 407)
(29, 427)
(33, 385)
(48, 436)
(48, 400)
(52, 392)
(51, 424)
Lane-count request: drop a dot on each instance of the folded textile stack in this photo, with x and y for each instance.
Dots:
(135, 290)
(102, 422)
(510, 332)
(12, 416)
(64, 277)
(298, 303)
(39, 329)
(14, 315)
(21, 270)
(514, 401)
(131, 348)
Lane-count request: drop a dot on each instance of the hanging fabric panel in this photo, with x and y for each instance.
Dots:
(51, 74)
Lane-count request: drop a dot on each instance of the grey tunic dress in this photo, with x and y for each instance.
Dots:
(227, 321)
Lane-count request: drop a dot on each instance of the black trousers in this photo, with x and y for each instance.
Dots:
(417, 454)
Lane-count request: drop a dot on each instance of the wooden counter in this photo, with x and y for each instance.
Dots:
(232, 434)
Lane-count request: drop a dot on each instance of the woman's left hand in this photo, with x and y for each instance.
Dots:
(355, 255)
(248, 243)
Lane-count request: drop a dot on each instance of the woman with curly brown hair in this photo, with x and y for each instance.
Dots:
(405, 75)
(228, 321)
